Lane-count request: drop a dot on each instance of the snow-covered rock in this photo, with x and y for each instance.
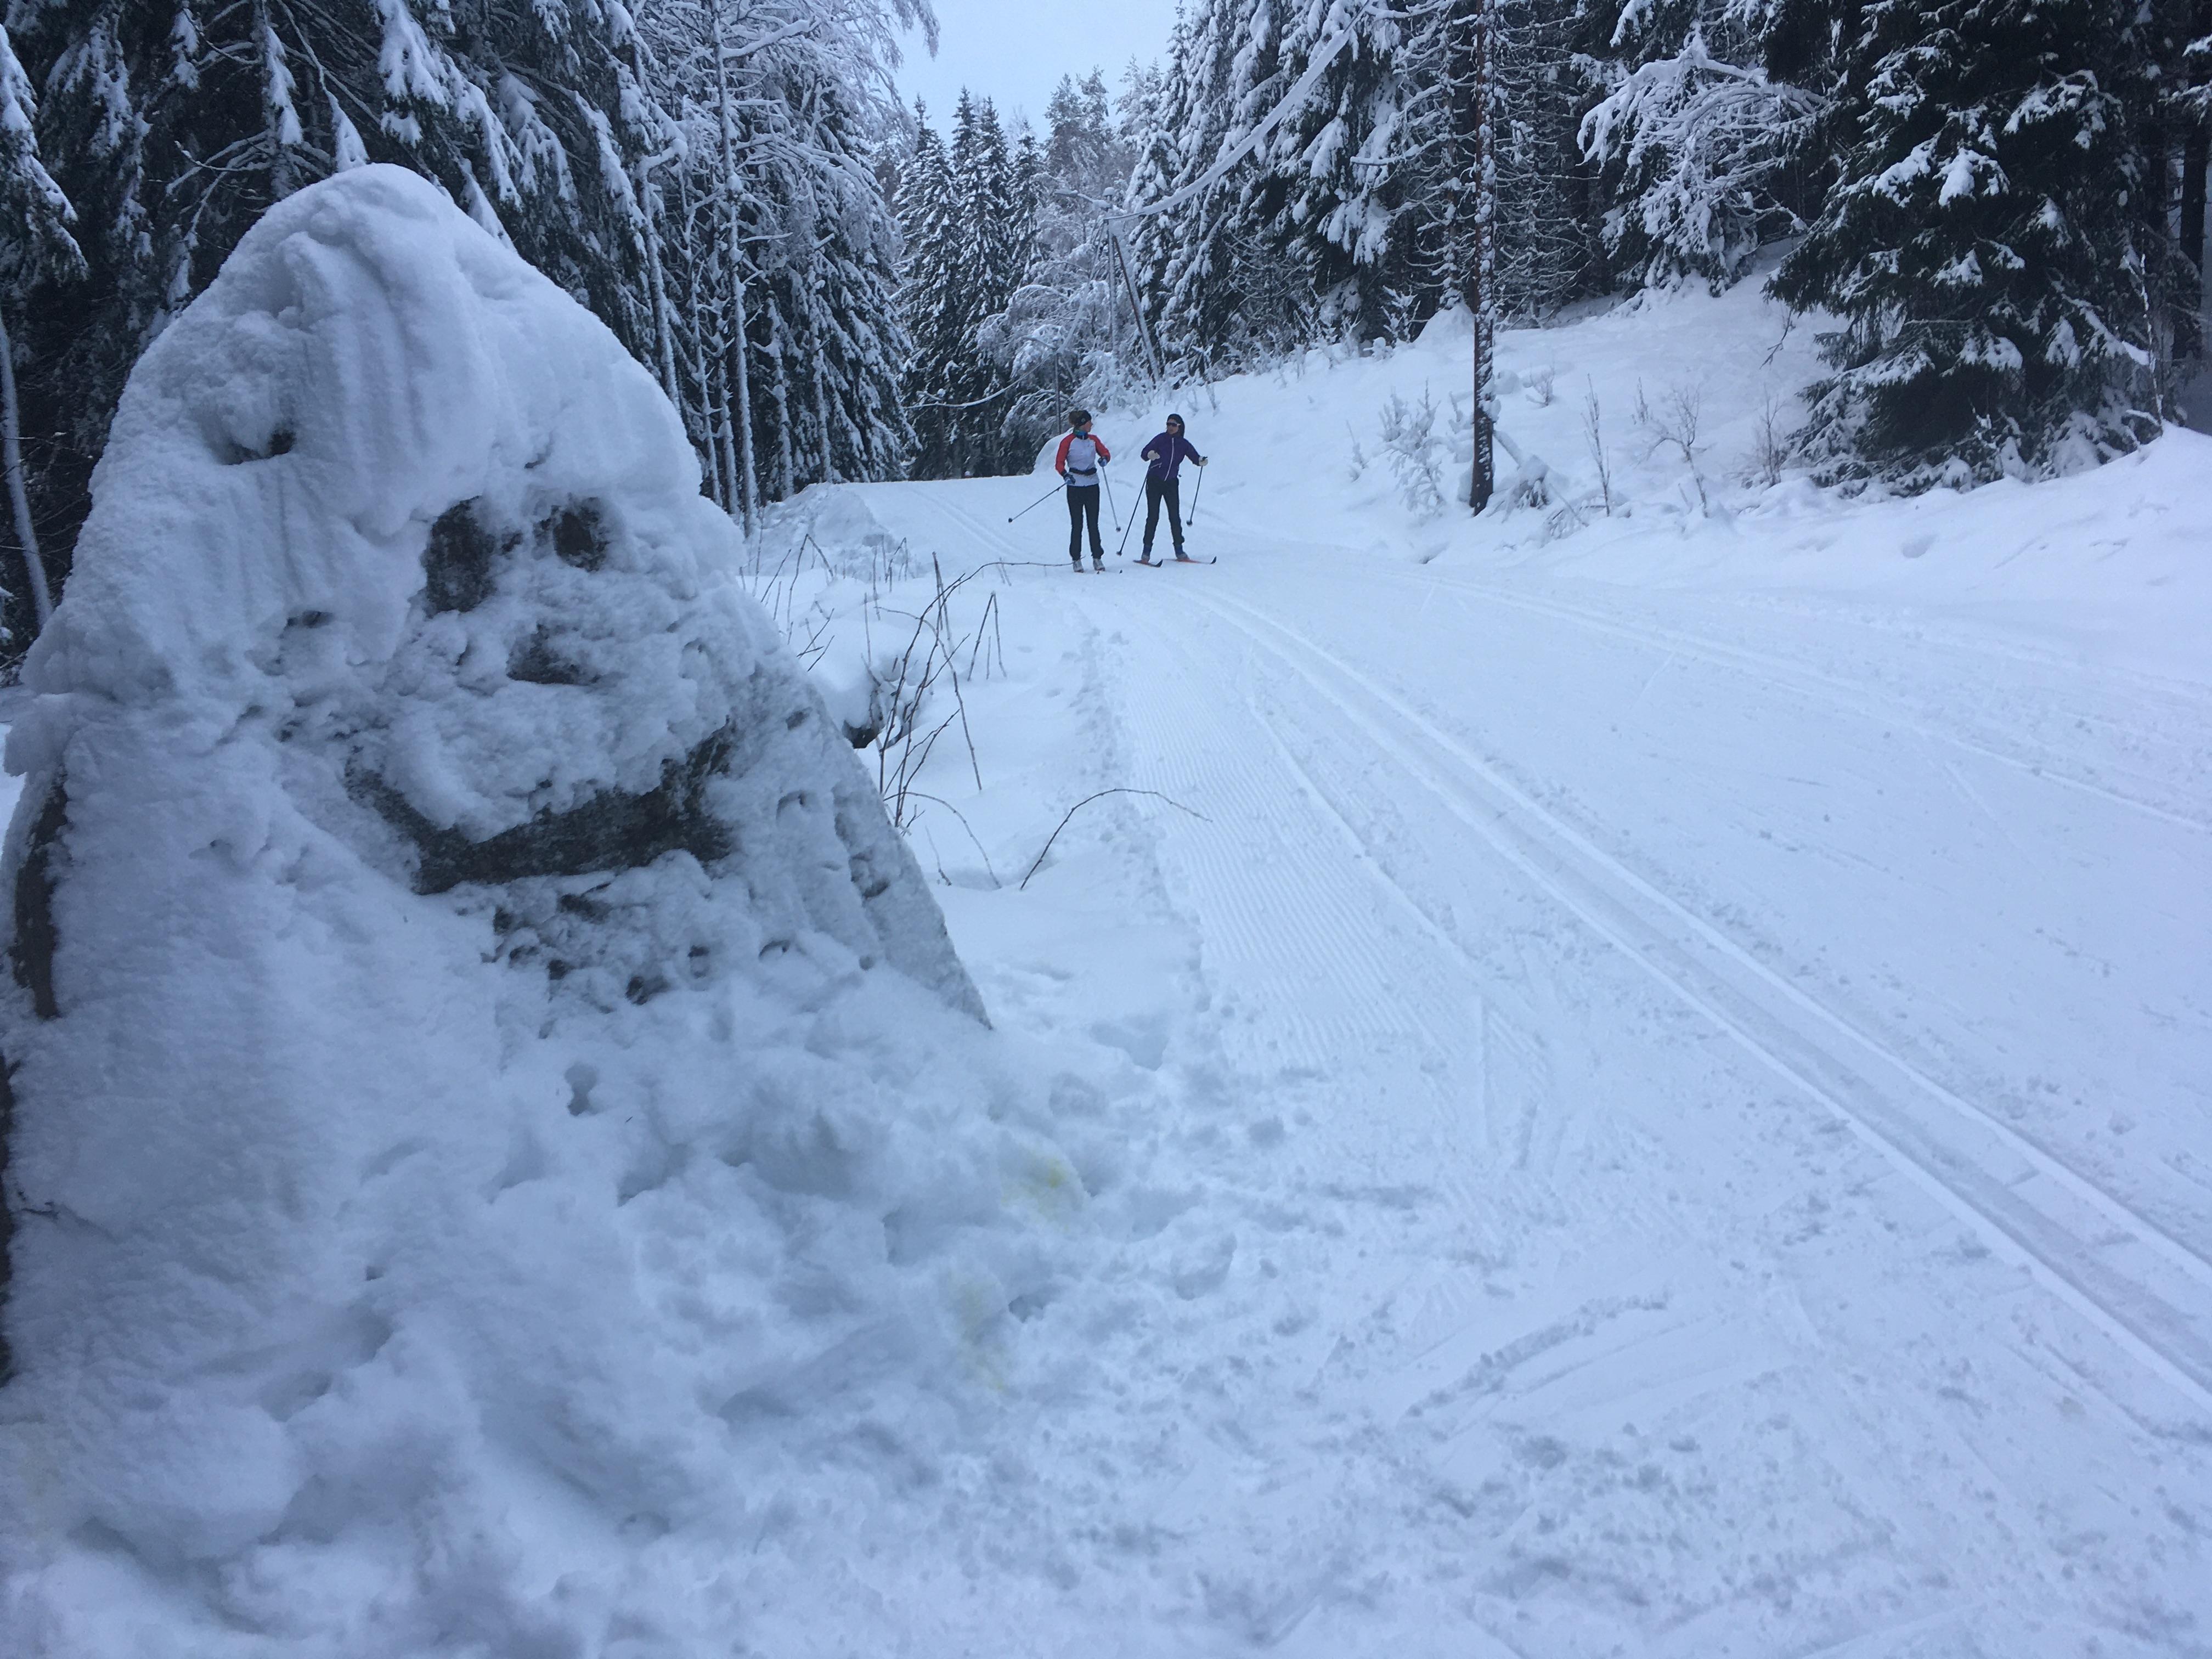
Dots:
(478, 1052)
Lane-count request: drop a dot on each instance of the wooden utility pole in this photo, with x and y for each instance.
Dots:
(1122, 262)
(1478, 180)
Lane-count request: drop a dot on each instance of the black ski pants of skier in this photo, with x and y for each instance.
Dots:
(1082, 507)
(1156, 492)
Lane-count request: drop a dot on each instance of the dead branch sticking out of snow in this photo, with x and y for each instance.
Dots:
(1573, 515)
(1674, 425)
(1770, 443)
(901, 690)
(938, 801)
(1101, 794)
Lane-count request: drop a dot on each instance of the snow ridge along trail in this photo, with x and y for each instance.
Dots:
(2146, 1290)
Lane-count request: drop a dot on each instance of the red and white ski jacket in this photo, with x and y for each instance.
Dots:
(1079, 457)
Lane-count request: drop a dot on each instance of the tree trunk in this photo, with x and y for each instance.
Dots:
(2189, 319)
(1476, 135)
(664, 323)
(822, 416)
(698, 307)
(19, 498)
(748, 501)
(781, 389)
(734, 252)
(2195, 148)
(732, 494)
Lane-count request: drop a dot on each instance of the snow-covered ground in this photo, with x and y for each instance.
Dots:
(1660, 1070)
(1635, 1082)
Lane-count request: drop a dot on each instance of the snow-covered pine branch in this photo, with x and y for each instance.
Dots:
(1991, 242)
(1699, 140)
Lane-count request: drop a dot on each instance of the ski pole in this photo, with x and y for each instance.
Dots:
(1125, 529)
(1036, 504)
(1195, 492)
(1110, 508)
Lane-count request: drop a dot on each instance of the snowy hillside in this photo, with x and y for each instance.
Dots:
(1626, 1078)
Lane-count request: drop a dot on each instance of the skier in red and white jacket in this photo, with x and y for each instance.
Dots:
(1081, 455)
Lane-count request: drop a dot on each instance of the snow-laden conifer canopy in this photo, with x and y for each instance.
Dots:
(476, 1044)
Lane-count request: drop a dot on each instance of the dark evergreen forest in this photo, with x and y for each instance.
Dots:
(1995, 208)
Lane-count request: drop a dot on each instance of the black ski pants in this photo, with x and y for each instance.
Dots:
(1082, 507)
(1156, 492)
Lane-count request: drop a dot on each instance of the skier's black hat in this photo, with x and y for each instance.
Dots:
(1078, 416)
(1174, 420)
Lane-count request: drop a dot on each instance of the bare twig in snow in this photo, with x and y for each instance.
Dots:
(1101, 795)
(1594, 440)
(1674, 425)
(1770, 444)
(938, 801)
(953, 670)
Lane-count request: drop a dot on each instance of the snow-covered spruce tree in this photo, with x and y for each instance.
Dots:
(975, 157)
(171, 127)
(1353, 217)
(1157, 146)
(999, 225)
(1060, 340)
(1027, 172)
(1330, 187)
(1087, 156)
(1988, 244)
(828, 262)
(1705, 155)
(933, 292)
(819, 109)
(1137, 115)
(774, 244)
(1223, 287)
(1221, 284)
(968, 239)
(1549, 252)
(1546, 191)
(698, 50)
(36, 244)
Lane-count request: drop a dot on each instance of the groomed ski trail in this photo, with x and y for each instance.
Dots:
(1589, 1272)
(2150, 1293)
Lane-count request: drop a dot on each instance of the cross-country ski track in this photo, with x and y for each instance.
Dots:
(1688, 1112)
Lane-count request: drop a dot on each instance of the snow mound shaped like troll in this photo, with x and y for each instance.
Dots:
(484, 1076)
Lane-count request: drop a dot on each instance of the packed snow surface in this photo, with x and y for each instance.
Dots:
(1628, 1077)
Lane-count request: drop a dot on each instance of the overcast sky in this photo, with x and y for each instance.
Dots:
(1014, 51)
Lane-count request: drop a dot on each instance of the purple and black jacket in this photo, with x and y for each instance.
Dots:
(1168, 452)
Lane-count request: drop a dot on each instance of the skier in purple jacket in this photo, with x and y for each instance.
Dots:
(1165, 455)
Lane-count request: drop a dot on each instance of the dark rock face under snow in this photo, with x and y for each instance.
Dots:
(468, 1011)
(767, 797)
